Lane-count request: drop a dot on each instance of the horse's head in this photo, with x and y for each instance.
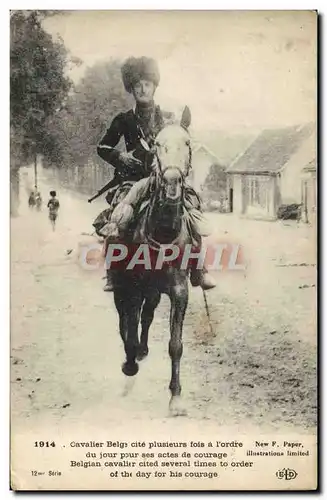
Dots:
(173, 157)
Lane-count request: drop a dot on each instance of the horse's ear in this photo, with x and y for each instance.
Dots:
(186, 118)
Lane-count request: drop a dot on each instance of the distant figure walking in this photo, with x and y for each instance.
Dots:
(31, 200)
(35, 199)
(38, 200)
(53, 206)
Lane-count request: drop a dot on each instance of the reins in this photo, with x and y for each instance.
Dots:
(155, 186)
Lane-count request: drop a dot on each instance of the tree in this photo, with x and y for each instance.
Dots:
(81, 122)
(79, 125)
(216, 179)
(38, 85)
(37, 80)
(215, 184)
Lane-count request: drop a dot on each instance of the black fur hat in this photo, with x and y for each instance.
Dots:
(141, 68)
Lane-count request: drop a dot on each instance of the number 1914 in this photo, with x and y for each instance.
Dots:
(46, 444)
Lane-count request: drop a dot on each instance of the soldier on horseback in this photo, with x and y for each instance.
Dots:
(139, 127)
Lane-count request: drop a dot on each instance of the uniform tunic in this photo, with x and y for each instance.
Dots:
(133, 125)
(141, 122)
(146, 123)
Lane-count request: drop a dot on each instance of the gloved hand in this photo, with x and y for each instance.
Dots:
(129, 161)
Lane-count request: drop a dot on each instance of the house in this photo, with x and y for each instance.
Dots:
(216, 147)
(202, 160)
(268, 173)
(208, 177)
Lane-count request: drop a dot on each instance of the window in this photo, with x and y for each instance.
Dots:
(253, 190)
(258, 191)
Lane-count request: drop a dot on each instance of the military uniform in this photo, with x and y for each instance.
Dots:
(143, 122)
(133, 125)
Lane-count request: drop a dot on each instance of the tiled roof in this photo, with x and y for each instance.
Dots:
(271, 150)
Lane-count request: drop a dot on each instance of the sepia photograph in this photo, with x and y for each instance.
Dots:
(163, 240)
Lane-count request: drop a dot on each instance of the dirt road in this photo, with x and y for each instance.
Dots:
(258, 368)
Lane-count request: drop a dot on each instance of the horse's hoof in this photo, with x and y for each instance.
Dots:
(142, 352)
(130, 369)
(176, 407)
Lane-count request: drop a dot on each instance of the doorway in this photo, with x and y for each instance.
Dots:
(231, 200)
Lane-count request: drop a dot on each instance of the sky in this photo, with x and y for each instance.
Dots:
(234, 69)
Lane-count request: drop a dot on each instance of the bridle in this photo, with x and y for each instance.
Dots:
(154, 149)
(161, 170)
(156, 184)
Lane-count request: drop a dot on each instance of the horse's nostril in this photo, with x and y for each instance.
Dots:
(171, 191)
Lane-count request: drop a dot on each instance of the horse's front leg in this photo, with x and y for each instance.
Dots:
(150, 304)
(121, 306)
(179, 300)
(131, 344)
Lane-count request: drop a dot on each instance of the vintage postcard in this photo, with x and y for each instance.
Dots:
(163, 176)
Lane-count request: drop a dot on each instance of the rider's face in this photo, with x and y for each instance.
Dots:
(143, 91)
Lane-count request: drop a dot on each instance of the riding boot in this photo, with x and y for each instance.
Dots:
(108, 286)
(201, 277)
